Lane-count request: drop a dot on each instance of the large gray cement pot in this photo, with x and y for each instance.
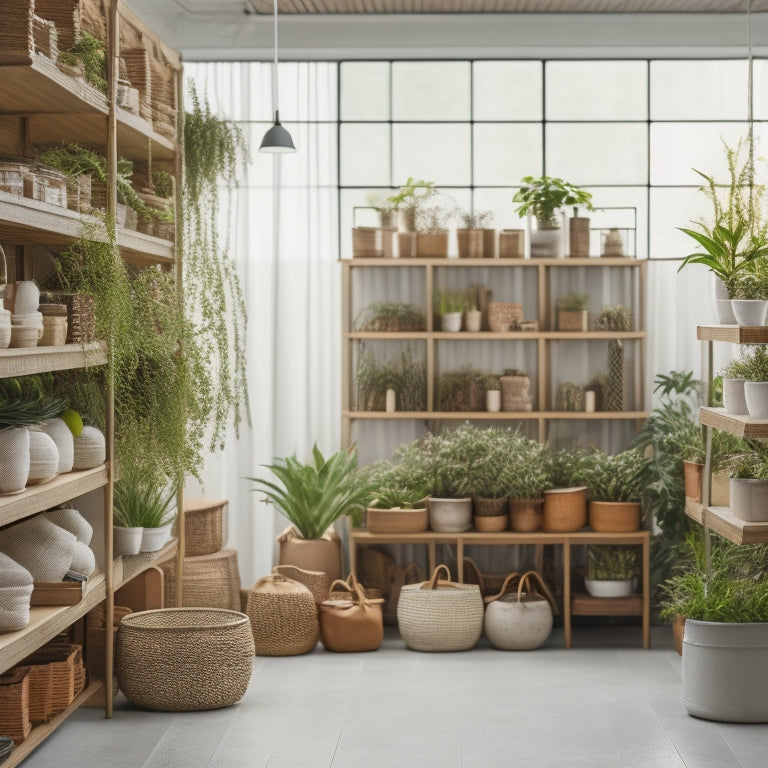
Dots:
(725, 671)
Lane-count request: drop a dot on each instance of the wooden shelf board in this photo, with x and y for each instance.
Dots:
(583, 604)
(393, 335)
(41, 732)
(498, 336)
(142, 250)
(592, 261)
(736, 334)
(496, 416)
(722, 521)
(41, 497)
(134, 134)
(46, 622)
(741, 426)
(25, 362)
(133, 565)
(36, 87)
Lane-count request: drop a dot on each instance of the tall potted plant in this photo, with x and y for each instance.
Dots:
(543, 197)
(313, 496)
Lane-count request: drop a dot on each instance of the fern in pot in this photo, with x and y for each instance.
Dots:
(313, 496)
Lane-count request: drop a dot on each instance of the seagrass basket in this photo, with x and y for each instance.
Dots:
(210, 581)
(317, 582)
(14, 704)
(283, 617)
(565, 509)
(60, 658)
(205, 526)
(503, 314)
(184, 659)
(40, 689)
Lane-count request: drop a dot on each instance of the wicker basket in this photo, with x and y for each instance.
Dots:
(184, 659)
(40, 691)
(14, 704)
(512, 244)
(366, 242)
(397, 520)
(485, 507)
(502, 315)
(515, 393)
(317, 582)
(54, 331)
(210, 581)
(565, 509)
(283, 617)
(137, 70)
(440, 615)
(205, 526)
(60, 657)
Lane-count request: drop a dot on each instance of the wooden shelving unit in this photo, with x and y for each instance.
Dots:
(41, 105)
(538, 277)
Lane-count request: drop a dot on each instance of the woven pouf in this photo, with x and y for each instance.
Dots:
(15, 592)
(283, 617)
(90, 449)
(43, 548)
(14, 459)
(71, 520)
(43, 458)
(205, 526)
(210, 581)
(184, 659)
(65, 442)
(83, 560)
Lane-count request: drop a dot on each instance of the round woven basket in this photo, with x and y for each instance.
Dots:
(317, 582)
(54, 331)
(283, 617)
(65, 442)
(205, 526)
(565, 509)
(90, 449)
(14, 459)
(211, 581)
(184, 659)
(43, 458)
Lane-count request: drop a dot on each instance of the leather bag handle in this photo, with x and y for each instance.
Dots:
(533, 588)
(435, 582)
(503, 589)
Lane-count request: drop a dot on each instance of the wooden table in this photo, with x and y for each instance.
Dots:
(578, 604)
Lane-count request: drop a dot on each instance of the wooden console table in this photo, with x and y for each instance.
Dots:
(573, 604)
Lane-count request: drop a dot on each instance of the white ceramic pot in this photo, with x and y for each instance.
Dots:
(749, 499)
(493, 400)
(719, 290)
(450, 515)
(153, 539)
(756, 397)
(724, 312)
(451, 321)
(725, 671)
(126, 541)
(517, 626)
(43, 458)
(609, 587)
(749, 311)
(27, 297)
(65, 442)
(473, 320)
(733, 397)
(14, 459)
(546, 243)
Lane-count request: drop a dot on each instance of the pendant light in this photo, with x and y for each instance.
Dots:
(276, 139)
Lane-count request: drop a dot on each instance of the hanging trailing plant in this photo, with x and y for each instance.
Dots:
(214, 150)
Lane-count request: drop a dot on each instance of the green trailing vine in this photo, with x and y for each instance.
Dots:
(214, 150)
(92, 52)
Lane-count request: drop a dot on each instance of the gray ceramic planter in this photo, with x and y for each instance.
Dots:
(749, 499)
(749, 311)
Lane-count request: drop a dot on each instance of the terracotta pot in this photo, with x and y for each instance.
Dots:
(692, 473)
(525, 515)
(614, 516)
(492, 524)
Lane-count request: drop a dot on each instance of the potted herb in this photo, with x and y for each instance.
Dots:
(475, 237)
(543, 197)
(464, 390)
(565, 501)
(515, 390)
(407, 202)
(572, 313)
(390, 317)
(611, 570)
(449, 306)
(614, 486)
(749, 296)
(313, 496)
(748, 472)
(531, 474)
(141, 503)
(398, 501)
(751, 368)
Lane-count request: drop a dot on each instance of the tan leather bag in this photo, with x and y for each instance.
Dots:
(351, 624)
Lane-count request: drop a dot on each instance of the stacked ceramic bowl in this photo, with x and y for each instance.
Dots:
(26, 321)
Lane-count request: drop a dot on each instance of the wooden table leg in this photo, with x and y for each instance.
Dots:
(567, 592)
(432, 554)
(646, 592)
(352, 553)
(460, 560)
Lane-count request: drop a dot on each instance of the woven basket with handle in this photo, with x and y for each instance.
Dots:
(440, 615)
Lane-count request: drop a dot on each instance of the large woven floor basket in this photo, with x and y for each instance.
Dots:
(184, 659)
(440, 615)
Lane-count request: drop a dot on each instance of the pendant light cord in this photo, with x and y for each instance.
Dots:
(275, 108)
(750, 106)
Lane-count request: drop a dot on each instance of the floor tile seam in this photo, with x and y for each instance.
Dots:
(344, 718)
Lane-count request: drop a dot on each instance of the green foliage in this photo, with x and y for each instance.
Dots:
(612, 562)
(736, 235)
(736, 590)
(617, 318)
(92, 52)
(28, 400)
(394, 484)
(752, 364)
(214, 150)
(408, 378)
(617, 477)
(570, 397)
(141, 503)
(465, 388)
(411, 199)
(475, 219)
(390, 317)
(751, 462)
(544, 195)
(315, 495)
(569, 467)
(449, 301)
(573, 302)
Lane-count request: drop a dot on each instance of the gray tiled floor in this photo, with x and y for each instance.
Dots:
(605, 703)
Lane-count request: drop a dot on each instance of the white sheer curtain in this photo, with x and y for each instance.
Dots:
(283, 226)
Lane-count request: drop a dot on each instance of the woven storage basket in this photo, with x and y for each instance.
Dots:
(440, 615)
(81, 320)
(60, 657)
(43, 548)
(43, 458)
(205, 526)
(364, 242)
(40, 689)
(283, 617)
(210, 581)
(375, 567)
(71, 520)
(502, 315)
(90, 449)
(515, 393)
(565, 509)
(512, 244)
(14, 459)
(54, 332)
(317, 582)
(184, 659)
(15, 592)
(14, 704)
(65, 444)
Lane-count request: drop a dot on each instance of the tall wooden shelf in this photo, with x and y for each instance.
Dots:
(42, 105)
(536, 278)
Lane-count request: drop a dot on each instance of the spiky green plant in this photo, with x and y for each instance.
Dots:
(615, 477)
(141, 503)
(612, 562)
(26, 401)
(315, 495)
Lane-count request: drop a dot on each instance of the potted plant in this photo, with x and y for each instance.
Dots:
(142, 504)
(449, 306)
(464, 390)
(750, 370)
(614, 487)
(572, 313)
(531, 473)
(473, 316)
(515, 390)
(748, 472)
(616, 319)
(406, 381)
(749, 295)
(543, 197)
(390, 317)
(565, 501)
(313, 496)
(432, 230)
(736, 235)
(407, 202)
(398, 501)
(725, 613)
(611, 570)
(475, 238)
